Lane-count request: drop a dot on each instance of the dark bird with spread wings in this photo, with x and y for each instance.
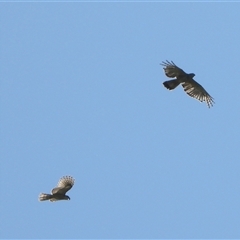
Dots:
(59, 192)
(190, 86)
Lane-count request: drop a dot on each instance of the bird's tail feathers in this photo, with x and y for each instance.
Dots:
(44, 197)
(171, 84)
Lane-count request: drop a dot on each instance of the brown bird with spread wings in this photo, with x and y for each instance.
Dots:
(190, 86)
(59, 192)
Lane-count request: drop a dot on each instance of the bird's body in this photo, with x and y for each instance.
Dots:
(190, 86)
(59, 192)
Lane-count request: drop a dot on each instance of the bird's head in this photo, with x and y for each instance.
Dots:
(66, 197)
(192, 75)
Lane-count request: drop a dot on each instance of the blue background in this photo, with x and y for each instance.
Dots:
(82, 95)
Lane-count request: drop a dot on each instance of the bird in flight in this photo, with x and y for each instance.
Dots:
(190, 86)
(59, 192)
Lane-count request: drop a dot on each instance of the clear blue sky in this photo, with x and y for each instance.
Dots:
(82, 95)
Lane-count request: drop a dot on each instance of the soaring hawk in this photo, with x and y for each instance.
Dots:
(58, 193)
(190, 86)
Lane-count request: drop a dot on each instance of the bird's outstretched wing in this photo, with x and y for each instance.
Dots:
(64, 185)
(195, 90)
(172, 71)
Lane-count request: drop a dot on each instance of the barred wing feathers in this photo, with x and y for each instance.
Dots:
(64, 185)
(172, 70)
(195, 90)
